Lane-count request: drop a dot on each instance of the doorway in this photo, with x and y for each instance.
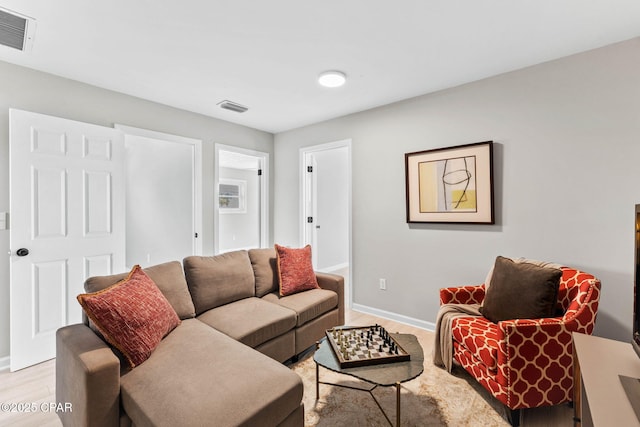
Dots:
(326, 207)
(241, 199)
(163, 201)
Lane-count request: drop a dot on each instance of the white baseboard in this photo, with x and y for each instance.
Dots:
(5, 363)
(422, 324)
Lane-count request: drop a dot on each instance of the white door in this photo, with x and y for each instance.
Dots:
(66, 221)
(311, 207)
(163, 213)
(326, 204)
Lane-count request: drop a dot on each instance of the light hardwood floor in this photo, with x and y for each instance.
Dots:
(35, 386)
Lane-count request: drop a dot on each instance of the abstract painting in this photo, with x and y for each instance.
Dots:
(452, 184)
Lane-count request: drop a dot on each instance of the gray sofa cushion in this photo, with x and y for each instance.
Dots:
(217, 280)
(251, 321)
(308, 304)
(169, 278)
(200, 375)
(265, 268)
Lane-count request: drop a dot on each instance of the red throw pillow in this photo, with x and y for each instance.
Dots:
(132, 315)
(295, 270)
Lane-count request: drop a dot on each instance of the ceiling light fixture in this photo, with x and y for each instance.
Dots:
(332, 78)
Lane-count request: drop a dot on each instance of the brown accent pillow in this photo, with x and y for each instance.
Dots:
(295, 271)
(132, 315)
(520, 291)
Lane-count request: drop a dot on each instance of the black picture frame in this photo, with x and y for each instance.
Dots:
(451, 185)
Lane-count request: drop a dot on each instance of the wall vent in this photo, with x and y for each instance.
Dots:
(16, 31)
(233, 106)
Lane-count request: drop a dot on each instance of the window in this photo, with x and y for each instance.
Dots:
(232, 196)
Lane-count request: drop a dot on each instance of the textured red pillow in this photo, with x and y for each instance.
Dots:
(132, 315)
(295, 270)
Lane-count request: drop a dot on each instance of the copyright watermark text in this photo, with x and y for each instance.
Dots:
(28, 407)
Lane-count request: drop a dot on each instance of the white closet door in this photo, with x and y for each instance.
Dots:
(67, 223)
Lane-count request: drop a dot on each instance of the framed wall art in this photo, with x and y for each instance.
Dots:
(232, 196)
(451, 185)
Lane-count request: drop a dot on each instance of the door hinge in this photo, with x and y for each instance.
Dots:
(309, 219)
(259, 172)
(309, 168)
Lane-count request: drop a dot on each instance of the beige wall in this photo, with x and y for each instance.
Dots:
(567, 177)
(31, 90)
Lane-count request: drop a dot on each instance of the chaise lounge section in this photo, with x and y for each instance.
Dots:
(220, 366)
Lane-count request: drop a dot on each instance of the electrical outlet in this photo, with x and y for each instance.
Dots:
(383, 284)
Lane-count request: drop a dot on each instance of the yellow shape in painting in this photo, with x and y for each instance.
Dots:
(468, 201)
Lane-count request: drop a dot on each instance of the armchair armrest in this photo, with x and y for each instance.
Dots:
(87, 377)
(540, 350)
(536, 351)
(581, 313)
(472, 294)
(335, 283)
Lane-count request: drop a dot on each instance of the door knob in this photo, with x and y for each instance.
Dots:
(22, 252)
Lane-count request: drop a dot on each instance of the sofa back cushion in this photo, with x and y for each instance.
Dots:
(265, 269)
(168, 277)
(217, 280)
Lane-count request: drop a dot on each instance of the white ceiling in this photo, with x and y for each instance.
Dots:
(192, 54)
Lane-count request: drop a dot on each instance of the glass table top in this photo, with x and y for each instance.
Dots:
(385, 374)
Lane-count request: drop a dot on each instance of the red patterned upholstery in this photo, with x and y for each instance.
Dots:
(525, 363)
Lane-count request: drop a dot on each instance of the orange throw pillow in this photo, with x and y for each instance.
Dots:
(295, 270)
(132, 315)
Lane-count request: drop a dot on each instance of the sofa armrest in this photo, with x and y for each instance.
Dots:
(87, 377)
(472, 294)
(335, 283)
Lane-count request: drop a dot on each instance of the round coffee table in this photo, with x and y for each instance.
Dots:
(385, 375)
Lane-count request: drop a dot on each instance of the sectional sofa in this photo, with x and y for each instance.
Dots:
(220, 366)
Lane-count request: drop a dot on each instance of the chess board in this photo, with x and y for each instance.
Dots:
(365, 345)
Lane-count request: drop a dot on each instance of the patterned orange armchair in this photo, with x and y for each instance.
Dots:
(525, 363)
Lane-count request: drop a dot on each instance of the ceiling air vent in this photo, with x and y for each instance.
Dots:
(230, 105)
(16, 31)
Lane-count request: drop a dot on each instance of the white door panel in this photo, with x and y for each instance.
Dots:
(67, 209)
